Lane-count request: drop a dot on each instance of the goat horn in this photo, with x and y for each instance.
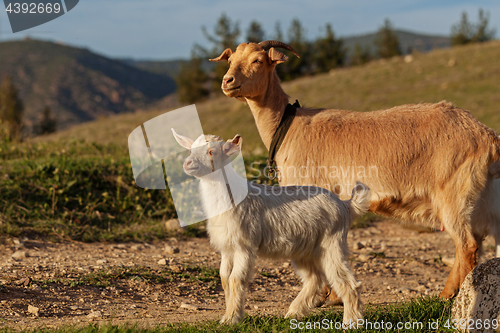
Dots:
(267, 44)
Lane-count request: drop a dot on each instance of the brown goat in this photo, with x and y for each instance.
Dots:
(425, 163)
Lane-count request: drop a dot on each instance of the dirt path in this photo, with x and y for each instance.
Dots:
(55, 283)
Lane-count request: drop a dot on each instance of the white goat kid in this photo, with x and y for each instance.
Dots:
(306, 224)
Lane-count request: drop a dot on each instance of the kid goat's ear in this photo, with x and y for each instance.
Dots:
(233, 145)
(184, 141)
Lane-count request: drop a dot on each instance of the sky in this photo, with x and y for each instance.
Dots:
(168, 29)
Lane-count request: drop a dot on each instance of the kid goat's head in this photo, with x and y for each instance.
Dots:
(208, 153)
(250, 67)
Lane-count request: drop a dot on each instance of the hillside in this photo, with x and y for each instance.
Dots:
(465, 76)
(77, 84)
(408, 41)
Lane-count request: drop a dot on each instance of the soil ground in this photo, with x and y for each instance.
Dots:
(394, 263)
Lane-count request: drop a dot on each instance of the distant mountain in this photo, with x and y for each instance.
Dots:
(170, 68)
(408, 41)
(75, 83)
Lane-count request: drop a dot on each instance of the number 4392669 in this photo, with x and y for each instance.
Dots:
(33, 8)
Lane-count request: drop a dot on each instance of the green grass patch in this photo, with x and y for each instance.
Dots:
(422, 314)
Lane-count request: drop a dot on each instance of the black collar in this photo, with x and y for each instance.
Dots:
(279, 136)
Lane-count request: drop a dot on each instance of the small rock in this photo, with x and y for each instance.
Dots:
(255, 307)
(286, 265)
(19, 255)
(188, 307)
(136, 247)
(404, 290)
(173, 225)
(94, 314)
(162, 262)
(24, 281)
(448, 261)
(101, 261)
(358, 246)
(33, 310)
(421, 288)
(175, 268)
(408, 58)
(171, 249)
(18, 244)
(364, 258)
(398, 271)
(73, 307)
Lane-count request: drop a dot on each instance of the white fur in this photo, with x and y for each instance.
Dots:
(306, 224)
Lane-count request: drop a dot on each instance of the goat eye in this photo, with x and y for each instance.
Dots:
(210, 152)
(257, 62)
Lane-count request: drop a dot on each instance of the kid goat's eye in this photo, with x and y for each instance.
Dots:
(257, 62)
(210, 152)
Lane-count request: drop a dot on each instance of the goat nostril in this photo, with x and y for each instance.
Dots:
(188, 163)
(228, 80)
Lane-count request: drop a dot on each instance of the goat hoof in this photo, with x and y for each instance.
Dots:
(446, 294)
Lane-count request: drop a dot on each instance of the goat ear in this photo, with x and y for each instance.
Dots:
(184, 141)
(232, 146)
(276, 57)
(224, 56)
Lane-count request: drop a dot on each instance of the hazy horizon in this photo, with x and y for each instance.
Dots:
(167, 30)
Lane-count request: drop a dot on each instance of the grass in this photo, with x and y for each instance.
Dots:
(431, 312)
(77, 184)
(109, 277)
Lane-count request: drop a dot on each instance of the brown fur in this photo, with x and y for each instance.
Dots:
(431, 160)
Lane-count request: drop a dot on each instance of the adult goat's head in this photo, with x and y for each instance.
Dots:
(251, 67)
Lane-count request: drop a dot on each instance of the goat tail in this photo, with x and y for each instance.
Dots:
(360, 200)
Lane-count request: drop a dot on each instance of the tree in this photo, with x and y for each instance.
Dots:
(465, 32)
(360, 55)
(192, 81)
(387, 41)
(483, 33)
(225, 36)
(11, 108)
(48, 124)
(461, 33)
(328, 52)
(296, 67)
(255, 33)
